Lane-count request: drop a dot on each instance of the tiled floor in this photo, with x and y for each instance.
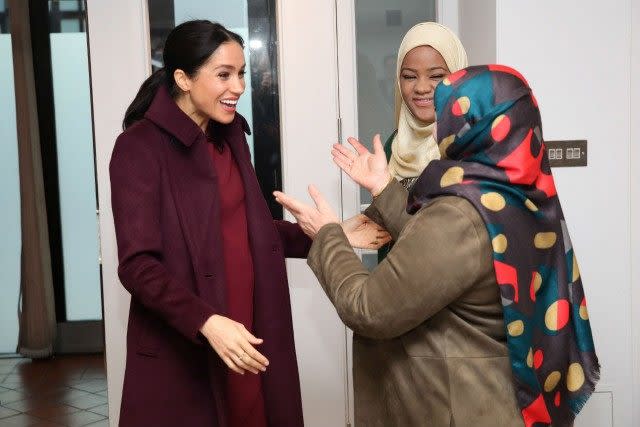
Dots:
(64, 391)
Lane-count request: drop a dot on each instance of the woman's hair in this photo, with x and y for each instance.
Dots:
(188, 47)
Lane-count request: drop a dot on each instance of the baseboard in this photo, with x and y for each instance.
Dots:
(80, 337)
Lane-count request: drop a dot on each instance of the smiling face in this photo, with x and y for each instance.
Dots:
(422, 69)
(215, 89)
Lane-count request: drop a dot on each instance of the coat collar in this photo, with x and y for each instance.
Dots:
(165, 113)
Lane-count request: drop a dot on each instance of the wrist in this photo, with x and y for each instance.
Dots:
(379, 187)
(208, 324)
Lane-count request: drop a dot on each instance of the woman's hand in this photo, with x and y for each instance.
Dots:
(310, 219)
(364, 233)
(234, 344)
(367, 169)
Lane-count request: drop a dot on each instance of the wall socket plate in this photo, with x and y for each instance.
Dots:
(567, 153)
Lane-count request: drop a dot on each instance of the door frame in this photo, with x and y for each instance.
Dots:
(119, 58)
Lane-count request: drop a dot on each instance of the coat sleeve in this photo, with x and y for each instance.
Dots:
(296, 244)
(389, 208)
(435, 260)
(135, 198)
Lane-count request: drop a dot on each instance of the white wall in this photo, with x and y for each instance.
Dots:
(478, 30)
(309, 112)
(635, 203)
(576, 56)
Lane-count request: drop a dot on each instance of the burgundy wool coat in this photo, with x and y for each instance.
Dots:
(167, 219)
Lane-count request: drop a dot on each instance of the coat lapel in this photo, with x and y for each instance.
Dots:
(193, 183)
(194, 186)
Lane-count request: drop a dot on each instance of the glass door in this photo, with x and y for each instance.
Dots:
(11, 242)
(369, 34)
(254, 21)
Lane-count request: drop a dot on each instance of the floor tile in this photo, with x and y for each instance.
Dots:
(51, 411)
(103, 423)
(87, 402)
(67, 395)
(26, 405)
(11, 396)
(61, 391)
(7, 412)
(91, 386)
(78, 419)
(12, 380)
(102, 410)
(23, 420)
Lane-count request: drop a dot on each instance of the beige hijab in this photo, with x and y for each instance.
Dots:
(414, 146)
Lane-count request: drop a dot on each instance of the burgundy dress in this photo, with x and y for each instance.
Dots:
(244, 392)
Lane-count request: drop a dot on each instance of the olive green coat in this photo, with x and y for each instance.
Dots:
(429, 346)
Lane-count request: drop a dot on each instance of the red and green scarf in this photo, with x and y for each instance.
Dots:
(490, 136)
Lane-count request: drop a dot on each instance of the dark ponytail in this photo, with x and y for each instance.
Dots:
(143, 98)
(187, 48)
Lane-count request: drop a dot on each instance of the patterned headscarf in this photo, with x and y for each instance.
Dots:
(490, 137)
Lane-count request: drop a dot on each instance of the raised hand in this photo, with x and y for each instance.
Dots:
(367, 169)
(234, 344)
(364, 233)
(311, 219)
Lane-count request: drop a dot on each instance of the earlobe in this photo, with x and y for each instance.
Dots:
(182, 80)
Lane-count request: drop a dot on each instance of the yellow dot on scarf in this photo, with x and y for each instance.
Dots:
(493, 201)
(584, 313)
(557, 315)
(575, 377)
(531, 206)
(499, 243)
(461, 106)
(446, 81)
(576, 270)
(537, 282)
(552, 381)
(515, 328)
(444, 144)
(452, 176)
(530, 358)
(545, 240)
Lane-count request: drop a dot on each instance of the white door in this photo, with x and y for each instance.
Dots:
(120, 60)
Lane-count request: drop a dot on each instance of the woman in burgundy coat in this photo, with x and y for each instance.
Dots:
(199, 251)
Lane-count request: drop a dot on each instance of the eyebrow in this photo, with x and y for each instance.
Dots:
(230, 67)
(428, 69)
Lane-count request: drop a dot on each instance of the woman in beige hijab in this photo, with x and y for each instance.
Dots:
(429, 52)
